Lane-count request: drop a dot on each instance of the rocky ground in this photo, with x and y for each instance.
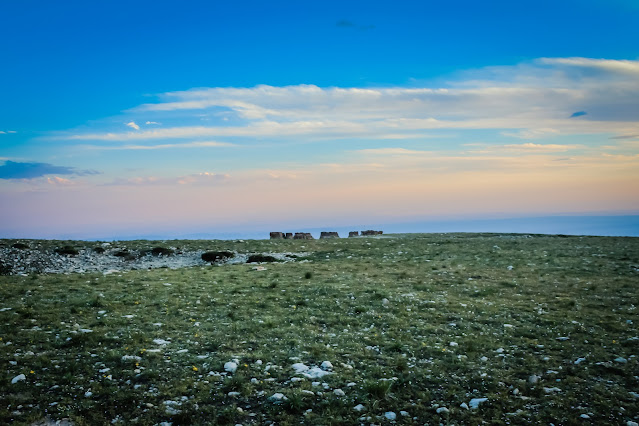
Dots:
(106, 258)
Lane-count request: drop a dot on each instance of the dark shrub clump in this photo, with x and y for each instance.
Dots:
(67, 250)
(125, 254)
(161, 251)
(20, 246)
(99, 250)
(214, 256)
(254, 258)
(4, 269)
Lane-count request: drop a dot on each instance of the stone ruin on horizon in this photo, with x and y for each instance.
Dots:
(323, 235)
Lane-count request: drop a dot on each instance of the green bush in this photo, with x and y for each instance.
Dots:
(214, 256)
(161, 251)
(20, 246)
(255, 258)
(67, 250)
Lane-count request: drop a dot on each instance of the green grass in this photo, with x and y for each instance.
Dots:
(383, 311)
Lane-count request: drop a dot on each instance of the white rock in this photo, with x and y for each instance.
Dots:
(552, 390)
(131, 358)
(463, 405)
(442, 410)
(390, 415)
(563, 338)
(88, 394)
(316, 373)
(631, 423)
(18, 378)
(299, 367)
(533, 379)
(483, 359)
(621, 360)
(307, 392)
(453, 344)
(339, 392)
(585, 416)
(510, 267)
(385, 302)
(326, 365)
(161, 342)
(474, 403)
(359, 407)
(233, 394)
(404, 413)
(500, 350)
(579, 360)
(230, 366)
(277, 398)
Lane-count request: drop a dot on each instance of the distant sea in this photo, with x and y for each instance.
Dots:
(622, 225)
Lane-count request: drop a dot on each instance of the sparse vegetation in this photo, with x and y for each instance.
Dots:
(20, 246)
(543, 327)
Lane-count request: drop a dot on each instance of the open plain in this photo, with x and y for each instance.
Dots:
(396, 329)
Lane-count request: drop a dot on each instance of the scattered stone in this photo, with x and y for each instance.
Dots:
(18, 378)
(442, 410)
(359, 407)
(339, 392)
(326, 365)
(277, 398)
(230, 366)
(390, 415)
(474, 403)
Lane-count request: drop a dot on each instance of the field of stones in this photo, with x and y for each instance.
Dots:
(394, 329)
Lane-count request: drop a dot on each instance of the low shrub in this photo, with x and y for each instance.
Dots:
(67, 250)
(214, 256)
(255, 258)
(20, 246)
(99, 250)
(161, 251)
(5, 269)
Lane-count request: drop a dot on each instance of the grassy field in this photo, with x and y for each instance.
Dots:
(416, 329)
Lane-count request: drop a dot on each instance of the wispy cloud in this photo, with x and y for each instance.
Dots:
(200, 179)
(148, 123)
(202, 144)
(531, 100)
(17, 170)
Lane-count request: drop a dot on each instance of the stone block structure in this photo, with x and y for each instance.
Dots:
(329, 235)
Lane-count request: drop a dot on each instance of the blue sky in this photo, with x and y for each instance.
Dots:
(484, 109)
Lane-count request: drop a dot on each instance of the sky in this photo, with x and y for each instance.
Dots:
(164, 118)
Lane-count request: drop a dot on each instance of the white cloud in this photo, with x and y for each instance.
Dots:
(201, 179)
(529, 100)
(532, 133)
(58, 181)
(200, 144)
(148, 123)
